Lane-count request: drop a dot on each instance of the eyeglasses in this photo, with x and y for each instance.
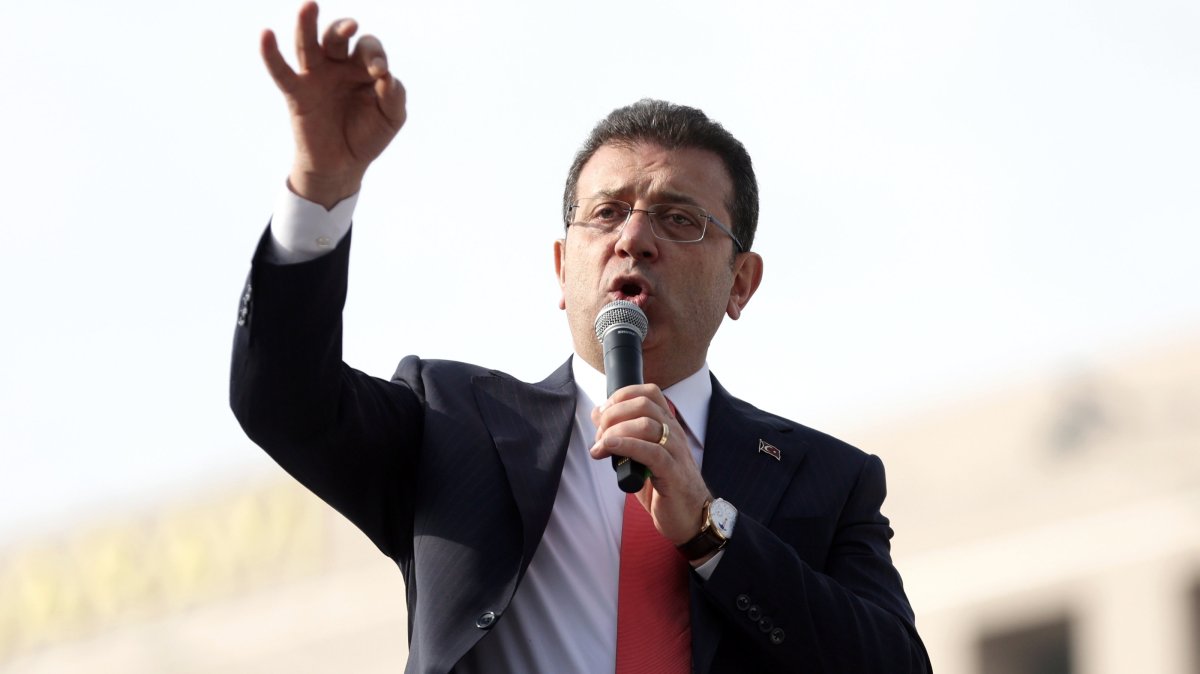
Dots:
(682, 223)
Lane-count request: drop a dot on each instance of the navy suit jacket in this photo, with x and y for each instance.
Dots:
(451, 470)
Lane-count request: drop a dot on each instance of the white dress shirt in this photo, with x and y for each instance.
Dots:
(563, 617)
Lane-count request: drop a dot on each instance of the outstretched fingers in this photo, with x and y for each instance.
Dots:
(280, 71)
(308, 49)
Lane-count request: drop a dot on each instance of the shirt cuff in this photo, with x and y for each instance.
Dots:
(302, 230)
(706, 569)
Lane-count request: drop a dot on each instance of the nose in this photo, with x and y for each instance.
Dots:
(637, 238)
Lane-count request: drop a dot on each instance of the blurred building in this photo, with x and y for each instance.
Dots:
(1050, 528)
(1054, 527)
(261, 577)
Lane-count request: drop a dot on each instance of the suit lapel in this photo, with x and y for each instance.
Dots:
(531, 427)
(753, 480)
(737, 467)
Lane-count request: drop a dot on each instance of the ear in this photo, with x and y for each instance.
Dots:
(747, 274)
(560, 270)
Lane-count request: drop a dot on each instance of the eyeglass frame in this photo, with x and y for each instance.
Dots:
(650, 214)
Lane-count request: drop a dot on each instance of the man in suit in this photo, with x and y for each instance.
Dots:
(494, 496)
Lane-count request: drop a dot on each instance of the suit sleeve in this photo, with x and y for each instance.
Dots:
(348, 437)
(776, 612)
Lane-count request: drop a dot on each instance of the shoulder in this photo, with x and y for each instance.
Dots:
(423, 374)
(816, 444)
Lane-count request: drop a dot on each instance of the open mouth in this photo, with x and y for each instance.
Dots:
(632, 289)
(629, 291)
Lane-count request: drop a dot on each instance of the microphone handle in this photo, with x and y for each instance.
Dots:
(623, 367)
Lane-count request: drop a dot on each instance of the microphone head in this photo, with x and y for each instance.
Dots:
(621, 314)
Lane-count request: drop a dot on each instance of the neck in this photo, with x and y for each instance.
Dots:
(654, 371)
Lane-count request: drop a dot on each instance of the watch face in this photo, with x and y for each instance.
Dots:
(723, 514)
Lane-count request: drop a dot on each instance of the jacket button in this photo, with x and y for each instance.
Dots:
(765, 625)
(777, 636)
(754, 613)
(743, 602)
(244, 309)
(485, 620)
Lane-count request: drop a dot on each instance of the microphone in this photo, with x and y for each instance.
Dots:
(621, 326)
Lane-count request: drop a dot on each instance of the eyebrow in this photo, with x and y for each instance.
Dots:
(662, 197)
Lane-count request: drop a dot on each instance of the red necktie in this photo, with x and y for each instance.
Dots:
(654, 634)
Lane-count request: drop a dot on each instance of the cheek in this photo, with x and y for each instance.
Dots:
(577, 287)
(714, 300)
(580, 270)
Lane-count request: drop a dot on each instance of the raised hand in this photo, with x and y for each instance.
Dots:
(345, 106)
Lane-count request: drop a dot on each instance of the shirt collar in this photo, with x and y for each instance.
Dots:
(690, 395)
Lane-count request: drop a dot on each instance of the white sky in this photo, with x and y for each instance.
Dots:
(953, 194)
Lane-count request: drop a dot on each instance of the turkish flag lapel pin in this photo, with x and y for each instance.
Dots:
(770, 450)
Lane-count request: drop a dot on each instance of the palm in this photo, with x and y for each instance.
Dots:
(336, 117)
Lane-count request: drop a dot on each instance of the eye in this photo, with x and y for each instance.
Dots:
(682, 220)
(605, 213)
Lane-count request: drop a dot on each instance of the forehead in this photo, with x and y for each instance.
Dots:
(652, 173)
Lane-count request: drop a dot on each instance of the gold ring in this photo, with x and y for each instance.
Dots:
(666, 434)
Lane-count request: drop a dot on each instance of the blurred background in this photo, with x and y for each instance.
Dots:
(979, 222)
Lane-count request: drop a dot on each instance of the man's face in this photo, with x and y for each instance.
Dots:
(684, 288)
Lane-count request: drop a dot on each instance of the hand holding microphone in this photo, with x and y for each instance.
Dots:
(679, 492)
(621, 326)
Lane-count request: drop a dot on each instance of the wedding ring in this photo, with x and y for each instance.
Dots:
(666, 434)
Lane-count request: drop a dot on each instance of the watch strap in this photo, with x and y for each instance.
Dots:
(708, 541)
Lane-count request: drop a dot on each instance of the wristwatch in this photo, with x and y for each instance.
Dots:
(715, 530)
